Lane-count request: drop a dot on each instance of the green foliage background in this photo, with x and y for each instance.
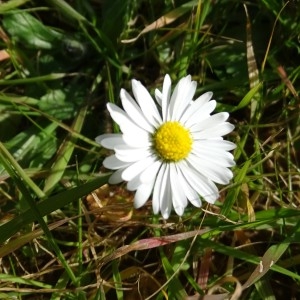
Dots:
(60, 63)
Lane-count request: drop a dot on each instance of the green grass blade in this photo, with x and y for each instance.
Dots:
(49, 205)
(67, 10)
(37, 215)
(233, 192)
(64, 154)
(11, 164)
(14, 244)
(10, 5)
(30, 80)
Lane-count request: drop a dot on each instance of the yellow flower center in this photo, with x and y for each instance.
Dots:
(172, 141)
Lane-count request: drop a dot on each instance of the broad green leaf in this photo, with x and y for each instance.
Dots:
(29, 32)
(56, 104)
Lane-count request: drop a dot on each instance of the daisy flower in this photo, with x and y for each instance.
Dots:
(173, 150)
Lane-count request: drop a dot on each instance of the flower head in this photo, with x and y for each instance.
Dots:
(173, 149)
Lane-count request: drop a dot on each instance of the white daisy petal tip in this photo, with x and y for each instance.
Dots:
(142, 195)
(212, 198)
(109, 141)
(167, 80)
(179, 210)
(99, 138)
(170, 150)
(207, 95)
(158, 96)
(165, 214)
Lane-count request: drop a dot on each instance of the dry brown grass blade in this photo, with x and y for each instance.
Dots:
(228, 279)
(22, 240)
(287, 82)
(204, 269)
(272, 34)
(143, 278)
(217, 287)
(4, 55)
(251, 61)
(150, 243)
(253, 73)
(160, 22)
(270, 257)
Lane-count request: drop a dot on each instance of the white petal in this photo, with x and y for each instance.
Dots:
(137, 140)
(143, 193)
(146, 103)
(204, 98)
(178, 196)
(181, 97)
(213, 132)
(213, 155)
(109, 140)
(203, 186)
(113, 163)
(158, 96)
(214, 172)
(130, 154)
(134, 111)
(197, 106)
(166, 94)
(150, 172)
(136, 168)
(177, 94)
(157, 189)
(199, 114)
(134, 183)
(211, 121)
(216, 145)
(220, 159)
(116, 178)
(165, 196)
(190, 193)
(123, 120)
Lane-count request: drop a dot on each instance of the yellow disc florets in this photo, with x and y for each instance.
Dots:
(172, 141)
